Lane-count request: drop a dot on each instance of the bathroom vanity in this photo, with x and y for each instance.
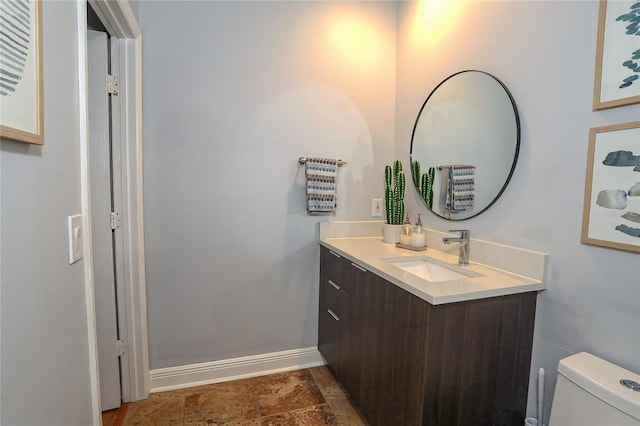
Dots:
(410, 351)
(414, 338)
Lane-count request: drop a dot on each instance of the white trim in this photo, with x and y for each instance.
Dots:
(85, 201)
(117, 17)
(141, 340)
(132, 217)
(184, 376)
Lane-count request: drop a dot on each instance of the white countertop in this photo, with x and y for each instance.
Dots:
(369, 251)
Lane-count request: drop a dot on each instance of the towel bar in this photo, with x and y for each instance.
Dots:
(303, 160)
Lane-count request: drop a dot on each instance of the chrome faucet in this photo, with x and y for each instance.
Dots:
(463, 257)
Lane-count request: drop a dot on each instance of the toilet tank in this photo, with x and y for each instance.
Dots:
(588, 392)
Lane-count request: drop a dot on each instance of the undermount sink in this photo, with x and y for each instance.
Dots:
(430, 269)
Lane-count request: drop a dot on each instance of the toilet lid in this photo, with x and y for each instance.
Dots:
(602, 379)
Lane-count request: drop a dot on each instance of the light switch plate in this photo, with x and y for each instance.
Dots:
(376, 207)
(75, 238)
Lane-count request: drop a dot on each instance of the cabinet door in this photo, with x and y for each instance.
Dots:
(388, 341)
(369, 319)
(355, 280)
(402, 357)
(410, 323)
(477, 361)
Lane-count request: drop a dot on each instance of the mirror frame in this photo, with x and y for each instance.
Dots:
(515, 156)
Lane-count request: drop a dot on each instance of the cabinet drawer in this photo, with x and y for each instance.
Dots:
(340, 270)
(328, 337)
(334, 344)
(336, 298)
(333, 265)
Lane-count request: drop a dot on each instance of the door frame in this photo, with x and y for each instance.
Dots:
(120, 21)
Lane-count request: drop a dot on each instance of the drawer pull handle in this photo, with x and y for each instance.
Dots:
(336, 286)
(335, 254)
(358, 267)
(335, 317)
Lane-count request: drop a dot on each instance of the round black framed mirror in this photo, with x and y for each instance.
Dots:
(465, 145)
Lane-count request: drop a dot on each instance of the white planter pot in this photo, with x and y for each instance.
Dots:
(391, 233)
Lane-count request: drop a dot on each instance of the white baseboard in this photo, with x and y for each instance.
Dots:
(185, 376)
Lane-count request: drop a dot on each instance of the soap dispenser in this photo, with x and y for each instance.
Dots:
(418, 237)
(405, 233)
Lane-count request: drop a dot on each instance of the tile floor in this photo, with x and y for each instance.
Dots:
(303, 397)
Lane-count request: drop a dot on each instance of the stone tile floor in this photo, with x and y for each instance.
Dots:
(304, 397)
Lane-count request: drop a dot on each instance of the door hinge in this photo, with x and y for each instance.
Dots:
(121, 347)
(112, 84)
(114, 220)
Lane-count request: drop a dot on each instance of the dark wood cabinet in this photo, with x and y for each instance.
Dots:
(407, 362)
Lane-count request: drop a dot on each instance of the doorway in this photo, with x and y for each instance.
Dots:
(126, 161)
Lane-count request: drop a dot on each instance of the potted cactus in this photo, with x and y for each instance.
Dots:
(426, 186)
(424, 182)
(394, 180)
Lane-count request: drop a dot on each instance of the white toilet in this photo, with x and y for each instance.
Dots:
(589, 393)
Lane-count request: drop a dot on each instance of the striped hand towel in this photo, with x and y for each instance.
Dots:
(321, 174)
(461, 187)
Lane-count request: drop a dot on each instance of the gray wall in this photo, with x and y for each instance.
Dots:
(545, 53)
(45, 361)
(234, 93)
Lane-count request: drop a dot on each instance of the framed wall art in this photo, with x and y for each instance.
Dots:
(611, 215)
(617, 76)
(21, 91)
